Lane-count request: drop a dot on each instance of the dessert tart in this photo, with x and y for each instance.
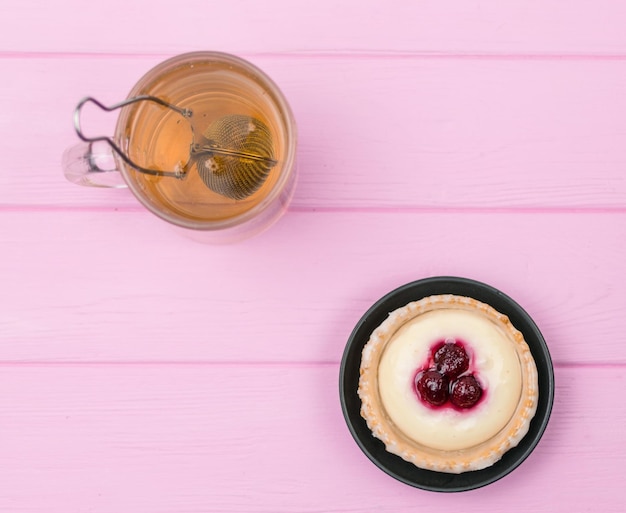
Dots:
(448, 384)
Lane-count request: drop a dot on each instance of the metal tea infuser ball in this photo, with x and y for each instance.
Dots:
(234, 174)
(234, 159)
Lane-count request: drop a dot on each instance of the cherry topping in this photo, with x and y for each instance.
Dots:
(432, 387)
(465, 391)
(451, 359)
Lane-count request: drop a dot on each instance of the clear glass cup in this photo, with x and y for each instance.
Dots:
(205, 141)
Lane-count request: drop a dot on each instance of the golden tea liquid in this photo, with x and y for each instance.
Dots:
(156, 137)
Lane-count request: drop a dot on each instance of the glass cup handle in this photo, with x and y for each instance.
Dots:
(92, 164)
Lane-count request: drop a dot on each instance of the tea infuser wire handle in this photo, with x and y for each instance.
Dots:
(186, 113)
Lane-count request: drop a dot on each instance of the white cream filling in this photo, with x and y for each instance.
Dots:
(493, 360)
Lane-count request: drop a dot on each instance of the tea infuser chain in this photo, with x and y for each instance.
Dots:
(198, 150)
(186, 113)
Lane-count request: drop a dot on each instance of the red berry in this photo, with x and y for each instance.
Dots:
(465, 392)
(451, 360)
(432, 387)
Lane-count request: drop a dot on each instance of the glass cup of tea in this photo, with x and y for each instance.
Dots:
(205, 141)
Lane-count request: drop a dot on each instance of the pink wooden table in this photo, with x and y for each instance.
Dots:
(142, 372)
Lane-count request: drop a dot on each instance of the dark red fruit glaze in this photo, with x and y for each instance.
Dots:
(447, 378)
(465, 392)
(432, 387)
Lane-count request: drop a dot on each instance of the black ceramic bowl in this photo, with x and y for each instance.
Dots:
(351, 404)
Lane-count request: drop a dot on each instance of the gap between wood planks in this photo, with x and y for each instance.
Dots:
(361, 209)
(338, 54)
(247, 363)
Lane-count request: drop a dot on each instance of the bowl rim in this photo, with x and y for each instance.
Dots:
(373, 448)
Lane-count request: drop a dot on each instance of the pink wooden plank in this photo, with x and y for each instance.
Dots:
(516, 26)
(167, 439)
(374, 132)
(122, 286)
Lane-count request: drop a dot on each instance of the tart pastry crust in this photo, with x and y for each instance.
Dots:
(502, 421)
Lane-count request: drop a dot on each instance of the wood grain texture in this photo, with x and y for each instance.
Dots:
(147, 438)
(124, 287)
(576, 27)
(373, 133)
(143, 372)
